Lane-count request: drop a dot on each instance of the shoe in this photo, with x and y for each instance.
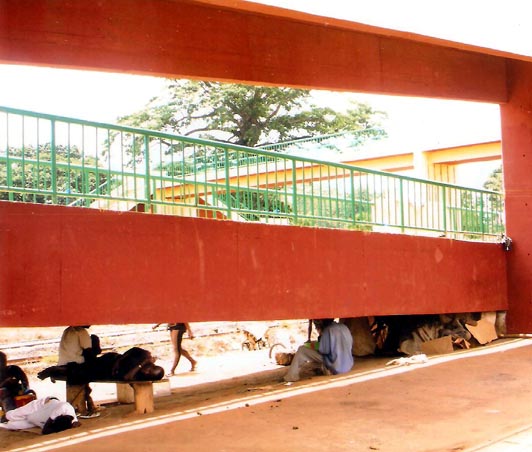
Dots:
(290, 380)
(89, 415)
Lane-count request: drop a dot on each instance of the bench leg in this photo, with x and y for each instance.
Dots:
(143, 397)
(124, 393)
(75, 395)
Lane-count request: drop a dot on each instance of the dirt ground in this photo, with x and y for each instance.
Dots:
(454, 402)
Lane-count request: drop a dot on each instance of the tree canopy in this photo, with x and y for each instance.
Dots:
(248, 115)
(494, 181)
(32, 173)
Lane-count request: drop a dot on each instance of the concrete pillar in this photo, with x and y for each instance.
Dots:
(516, 116)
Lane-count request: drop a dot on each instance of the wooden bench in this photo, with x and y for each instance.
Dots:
(142, 393)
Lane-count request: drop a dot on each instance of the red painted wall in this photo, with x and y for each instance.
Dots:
(61, 266)
(517, 161)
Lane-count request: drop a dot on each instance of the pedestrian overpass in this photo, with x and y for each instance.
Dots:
(63, 265)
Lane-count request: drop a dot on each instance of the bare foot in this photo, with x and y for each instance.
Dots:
(193, 367)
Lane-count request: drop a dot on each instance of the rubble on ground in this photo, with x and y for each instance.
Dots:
(435, 334)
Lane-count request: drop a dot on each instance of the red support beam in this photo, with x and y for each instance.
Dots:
(198, 40)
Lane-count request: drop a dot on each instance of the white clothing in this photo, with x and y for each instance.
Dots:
(36, 413)
(73, 341)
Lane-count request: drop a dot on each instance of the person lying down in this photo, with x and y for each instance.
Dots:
(135, 364)
(49, 414)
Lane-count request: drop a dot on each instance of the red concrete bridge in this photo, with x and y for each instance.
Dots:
(60, 265)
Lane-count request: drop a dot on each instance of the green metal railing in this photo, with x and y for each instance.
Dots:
(338, 140)
(56, 160)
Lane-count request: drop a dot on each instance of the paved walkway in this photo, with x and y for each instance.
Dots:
(467, 401)
(517, 442)
(520, 441)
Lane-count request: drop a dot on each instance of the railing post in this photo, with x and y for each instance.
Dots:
(147, 176)
(482, 228)
(353, 197)
(227, 185)
(444, 208)
(9, 174)
(402, 205)
(53, 161)
(294, 190)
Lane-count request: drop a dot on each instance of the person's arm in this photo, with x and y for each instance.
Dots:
(88, 355)
(22, 377)
(154, 327)
(130, 376)
(189, 331)
(14, 376)
(6, 381)
(325, 342)
(309, 330)
(85, 342)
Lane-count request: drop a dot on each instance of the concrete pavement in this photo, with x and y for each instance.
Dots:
(477, 400)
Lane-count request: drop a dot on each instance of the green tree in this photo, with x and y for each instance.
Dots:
(481, 213)
(30, 174)
(351, 212)
(261, 203)
(248, 115)
(494, 181)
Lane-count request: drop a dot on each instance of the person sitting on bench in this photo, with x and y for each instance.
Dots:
(76, 352)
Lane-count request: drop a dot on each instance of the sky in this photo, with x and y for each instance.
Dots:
(495, 24)
(95, 96)
(428, 123)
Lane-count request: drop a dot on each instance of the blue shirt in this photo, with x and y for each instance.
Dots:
(336, 344)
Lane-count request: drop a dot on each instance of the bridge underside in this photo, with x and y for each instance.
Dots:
(63, 266)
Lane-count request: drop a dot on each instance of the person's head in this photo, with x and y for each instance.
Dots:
(59, 424)
(96, 347)
(3, 360)
(321, 324)
(151, 372)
